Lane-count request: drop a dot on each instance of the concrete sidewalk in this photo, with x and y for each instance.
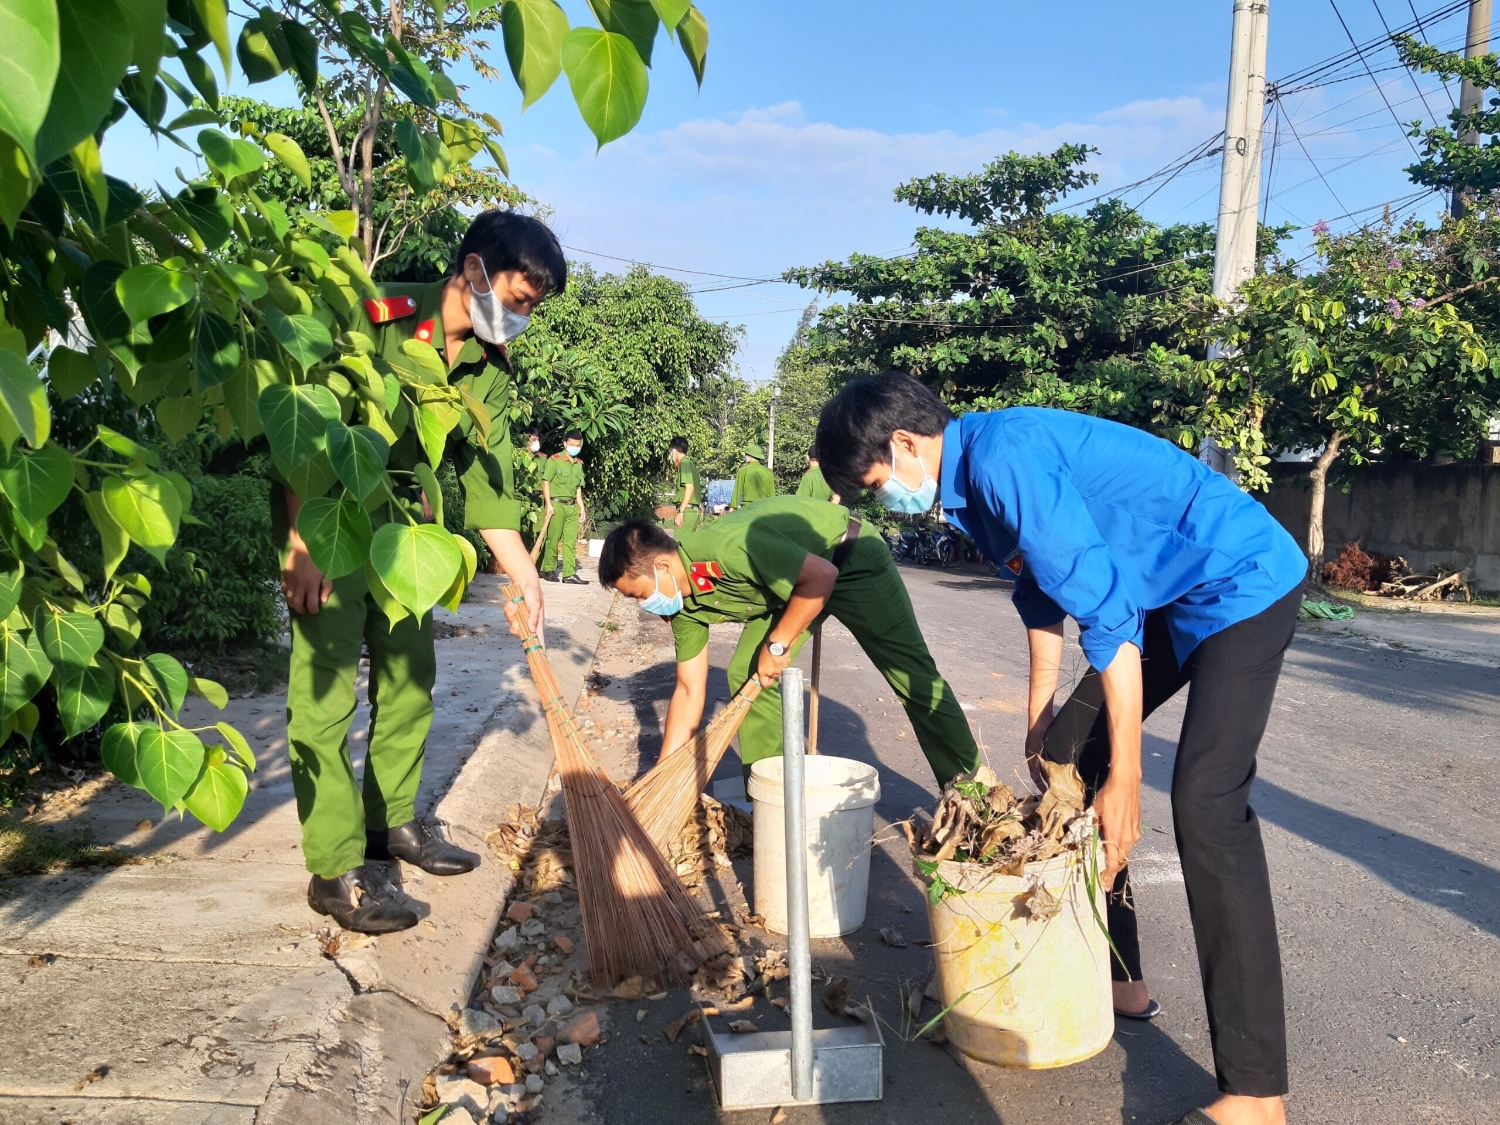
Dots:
(193, 987)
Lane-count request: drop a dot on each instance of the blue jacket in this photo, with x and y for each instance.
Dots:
(1105, 523)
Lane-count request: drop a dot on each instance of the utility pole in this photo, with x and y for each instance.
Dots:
(1235, 244)
(1476, 43)
(771, 431)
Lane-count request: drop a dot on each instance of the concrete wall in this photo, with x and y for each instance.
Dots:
(1428, 514)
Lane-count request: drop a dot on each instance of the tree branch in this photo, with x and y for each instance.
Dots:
(346, 181)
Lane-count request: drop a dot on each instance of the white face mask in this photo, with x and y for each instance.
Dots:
(536, 447)
(493, 322)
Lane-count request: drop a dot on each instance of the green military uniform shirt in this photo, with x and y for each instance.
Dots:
(814, 485)
(745, 564)
(565, 475)
(753, 482)
(687, 474)
(414, 312)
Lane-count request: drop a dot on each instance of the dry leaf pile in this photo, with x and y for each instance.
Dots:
(535, 847)
(980, 820)
(715, 836)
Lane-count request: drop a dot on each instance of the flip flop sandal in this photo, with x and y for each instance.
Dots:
(1150, 1012)
(1197, 1117)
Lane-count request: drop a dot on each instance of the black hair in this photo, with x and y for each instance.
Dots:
(812, 452)
(573, 434)
(535, 431)
(632, 548)
(509, 240)
(855, 428)
(680, 444)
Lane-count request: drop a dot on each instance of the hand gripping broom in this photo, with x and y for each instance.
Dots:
(638, 919)
(664, 797)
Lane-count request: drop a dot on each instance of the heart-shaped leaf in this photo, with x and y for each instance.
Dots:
(229, 157)
(179, 416)
(216, 350)
(416, 564)
(118, 749)
(290, 153)
(95, 47)
(534, 32)
(252, 285)
(338, 535)
(305, 338)
(359, 456)
(37, 482)
(692, 33)
(171, 677)
(10, 589)
(236, 742)
(24, 668)
(218, 795)
(634, 19)
(69, 639)
(83, 696)
(29, 53)
(168, 762)
(608, 78)
(23, 403)
(211, 690)
(296, 421)
(431, 489)
(148, 508)
(69, 372)
(386, 601)
(154, 288)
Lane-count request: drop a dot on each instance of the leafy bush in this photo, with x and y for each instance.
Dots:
(1357, 569)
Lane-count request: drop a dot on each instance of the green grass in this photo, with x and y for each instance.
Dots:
(28, 850)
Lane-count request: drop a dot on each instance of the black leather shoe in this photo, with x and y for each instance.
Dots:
(549, 576)
(413, 843)
(361, 900)
(575, 580)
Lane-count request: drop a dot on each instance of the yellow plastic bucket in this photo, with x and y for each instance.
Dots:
(1022, 991)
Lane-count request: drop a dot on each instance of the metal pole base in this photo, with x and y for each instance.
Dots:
(754, 1071)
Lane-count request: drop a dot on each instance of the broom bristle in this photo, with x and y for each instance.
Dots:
(666, 795)
(638, 918)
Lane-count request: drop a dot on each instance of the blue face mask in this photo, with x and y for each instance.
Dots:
(898, 496)
(661, 605)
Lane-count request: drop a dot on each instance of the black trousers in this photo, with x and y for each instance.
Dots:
(1233, 678)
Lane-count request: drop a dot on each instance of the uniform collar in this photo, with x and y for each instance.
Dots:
(952, 482)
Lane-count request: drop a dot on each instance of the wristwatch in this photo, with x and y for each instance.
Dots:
(776, 649)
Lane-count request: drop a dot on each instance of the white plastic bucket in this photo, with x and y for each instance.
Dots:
(1018, 991)
(596, 548)
(841, 795)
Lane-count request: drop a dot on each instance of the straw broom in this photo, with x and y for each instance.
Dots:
(638, 919)
(666, 795)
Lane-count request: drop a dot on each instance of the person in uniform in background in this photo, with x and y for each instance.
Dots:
(812, 483)
(1176, 579)
(754, 481)
(780, 567)
(562, 497)
(506, 264)
(689, 500)
(534, 445)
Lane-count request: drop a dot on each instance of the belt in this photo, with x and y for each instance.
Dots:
(555, 500)
(845, 548)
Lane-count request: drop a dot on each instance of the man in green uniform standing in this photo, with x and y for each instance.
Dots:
(812, 483)
(562, 498)
(781, 567)
(506, 264)
(689, 500)
(754, 481)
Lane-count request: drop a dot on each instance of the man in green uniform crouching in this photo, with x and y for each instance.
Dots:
(754, 481)
(781, 567)
(506, 264)
(562, 499)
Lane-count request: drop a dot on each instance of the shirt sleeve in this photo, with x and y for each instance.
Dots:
(775, 560)
(1070, 567)
(734, 497)
(690, 636)
(485, 469)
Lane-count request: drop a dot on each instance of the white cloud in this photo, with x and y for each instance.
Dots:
(767, 189)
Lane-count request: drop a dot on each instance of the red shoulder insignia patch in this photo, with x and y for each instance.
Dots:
(559, 457)
(1015, 563)
(426, 329)
(702, 575)
(383, 309)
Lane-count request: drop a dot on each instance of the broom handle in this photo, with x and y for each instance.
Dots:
(812, 705)
(536, 548)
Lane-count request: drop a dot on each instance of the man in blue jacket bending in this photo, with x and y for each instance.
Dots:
(1175, 577)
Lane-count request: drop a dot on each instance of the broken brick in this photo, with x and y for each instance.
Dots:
(491, 1070)
(584, 1030)
(523, 978)
(519, 912)
(563, 942)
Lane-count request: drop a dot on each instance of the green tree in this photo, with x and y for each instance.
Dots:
(1366, 356)
(1463, 156)
(1034, 305)
(223, 300)
(630, 361)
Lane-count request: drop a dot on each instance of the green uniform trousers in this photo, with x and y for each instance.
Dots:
(320, 706)
(871, 601)
(562, 533)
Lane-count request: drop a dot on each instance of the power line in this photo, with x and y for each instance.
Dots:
(1378, 88)
(1314, 164)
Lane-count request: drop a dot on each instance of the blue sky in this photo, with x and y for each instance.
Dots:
(812, 111)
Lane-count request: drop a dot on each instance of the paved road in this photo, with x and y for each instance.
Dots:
(1376, 792)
